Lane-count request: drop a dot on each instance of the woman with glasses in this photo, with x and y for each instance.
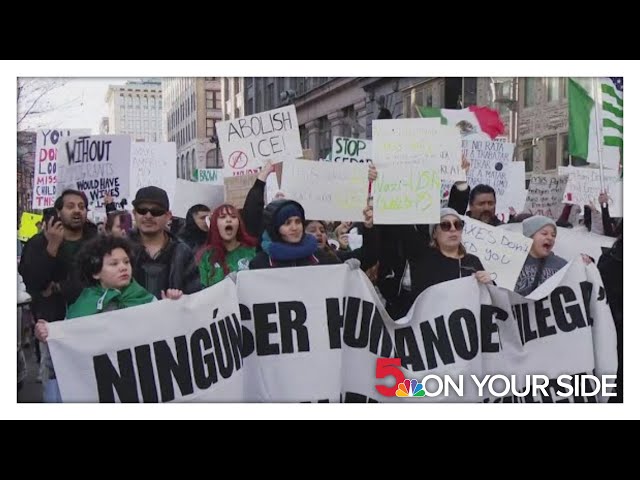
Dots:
(446, 258)
(229, 248)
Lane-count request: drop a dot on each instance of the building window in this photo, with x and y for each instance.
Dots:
(177, 167)
(556, 89)
(129, 101)
(258, 100)
(183, 168)
(470, 87)
(153, 103)
(325, 137)
(564, 142)
(269, 97)
(236, 112)
(550, 153)
(210, 78)
(226, 82)
(527, 155)
(249, 81)
(121, 100)
(211, 158)
(236, 84)
(188, 177)
(210, 127)
(304, 137)
(249, 108)
(194, 165)
(210, 96)
(529, 92)
(137, 102)
(407, 111)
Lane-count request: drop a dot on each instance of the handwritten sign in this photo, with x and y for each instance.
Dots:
(248, 142)
(350, 150)
(153, 163)
(97, 165)
(45, 176)
(327, 191)
(545, 195)
(406, 194)
(507, 179)
(583, 188)
(475, 149)
(415, 140)
(501, 252)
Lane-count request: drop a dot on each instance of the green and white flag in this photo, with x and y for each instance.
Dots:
(595, 113)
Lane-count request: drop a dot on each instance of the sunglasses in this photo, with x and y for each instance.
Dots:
(155, 212)
(446, 226)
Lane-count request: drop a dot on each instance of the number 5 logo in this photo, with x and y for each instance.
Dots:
(384, 368)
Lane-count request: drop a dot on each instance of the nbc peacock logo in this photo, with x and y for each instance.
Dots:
(410, 388)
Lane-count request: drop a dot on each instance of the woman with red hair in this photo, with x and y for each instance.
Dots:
(229, 247)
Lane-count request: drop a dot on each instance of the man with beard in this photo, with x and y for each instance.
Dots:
(47, 264)
(481, 200)
(160, 260)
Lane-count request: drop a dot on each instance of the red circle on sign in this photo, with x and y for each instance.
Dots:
(238, 160)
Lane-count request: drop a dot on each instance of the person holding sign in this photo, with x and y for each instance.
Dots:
(105, 267)
(541, 263)
(446, 258)
(229, 248)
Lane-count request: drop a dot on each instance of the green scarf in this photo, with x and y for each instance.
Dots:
(95, 299)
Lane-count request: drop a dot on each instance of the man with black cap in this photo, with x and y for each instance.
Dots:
(161, 261)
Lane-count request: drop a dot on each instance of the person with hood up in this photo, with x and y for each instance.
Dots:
(195, 230)
(229, 248)
(105, 267)
(289, 245)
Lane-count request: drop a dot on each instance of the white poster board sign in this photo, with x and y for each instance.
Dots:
(153, 163)
(96, 165)
(584, 187)
(248, 142)
(352, 150)
(189, 194)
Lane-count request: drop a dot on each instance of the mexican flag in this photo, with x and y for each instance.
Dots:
(595, 117)
(481, 119)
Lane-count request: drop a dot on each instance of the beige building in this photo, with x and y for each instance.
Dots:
(232, 97)
(191, 108)
(135, 109)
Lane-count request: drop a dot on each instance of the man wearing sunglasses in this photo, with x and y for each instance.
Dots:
(161, 261)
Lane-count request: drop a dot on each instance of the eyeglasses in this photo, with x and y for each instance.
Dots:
(155, 212)
(446, 226)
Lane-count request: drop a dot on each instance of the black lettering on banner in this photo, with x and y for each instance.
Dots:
(169, 368)
(488, 326)
(235, 338)
(351, 321)
(466, 352)
(204, 377)
(145, 374)
(335, 321)
(542, 313)
(123, 380)
(560, 307)
(248, 345)
(379, 332)
(225, 362)
(587, 288)
(438, 339)
(407, 349)
(292, 317)
(263, 328)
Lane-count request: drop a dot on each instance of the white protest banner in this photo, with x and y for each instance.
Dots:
(187, 350)
(545, 194)
(583, 188)
(407, 194)
(319, 344)
(189, 194)
(96, 165)
(330, 340)
(507, 179)
(415, 140)
(212, 176)
(350, 150)
(501, 252)
(153, 163)
(462, 329)
(327, 190)
(248, 142)
(571, 242)
(45, 175)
